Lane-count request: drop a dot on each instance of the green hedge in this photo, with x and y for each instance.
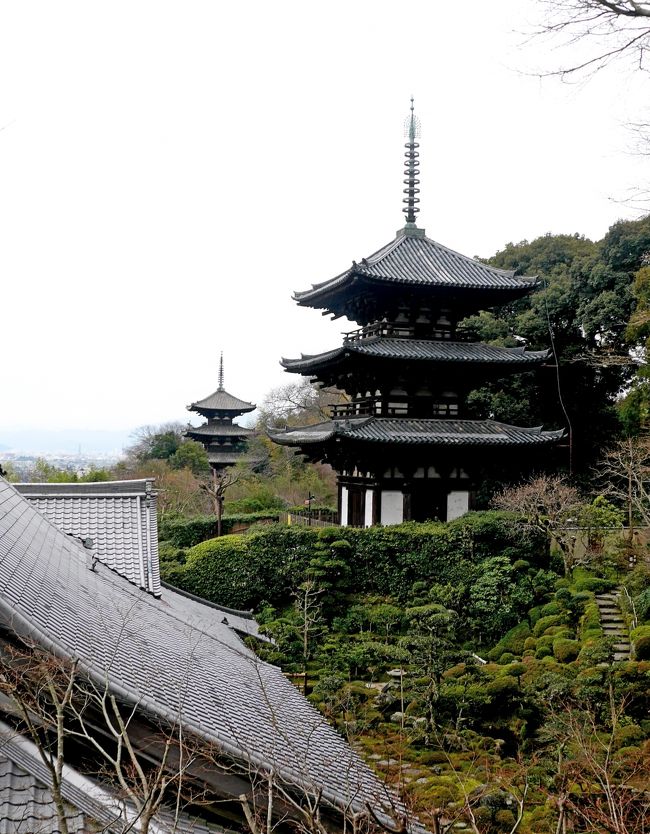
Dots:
(193, 531)
(386, 560)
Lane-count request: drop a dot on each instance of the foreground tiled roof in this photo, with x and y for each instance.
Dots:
(203, 613)
(27, 805)
(221, 400)
(410, 431)
(420, 350)
(418, 260)
(119, 517)
(151, 655)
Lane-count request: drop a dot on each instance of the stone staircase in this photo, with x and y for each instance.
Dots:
(613, 624)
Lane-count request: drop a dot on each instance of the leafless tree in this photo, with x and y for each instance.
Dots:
(597, 785)
(612, 29)
(308, 603)
(54, 704)
(626, 472)
(549, 504)
(299, 403)
(216, 488)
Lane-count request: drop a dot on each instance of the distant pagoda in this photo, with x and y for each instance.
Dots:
(224, 441)
(403, 448)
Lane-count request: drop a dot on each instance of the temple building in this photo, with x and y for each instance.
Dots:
(224, 441)
(404, 447)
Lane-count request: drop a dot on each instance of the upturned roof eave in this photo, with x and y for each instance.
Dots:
(342, 280)
(344, 429)
(504, 356)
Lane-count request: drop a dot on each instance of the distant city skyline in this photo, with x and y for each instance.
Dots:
(171, 173)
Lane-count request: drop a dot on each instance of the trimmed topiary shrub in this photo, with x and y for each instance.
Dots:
(512, 642)
(503, 686)
(551, 608)
(565, 651)
(546, 622)
(594, 584)
(642, 648)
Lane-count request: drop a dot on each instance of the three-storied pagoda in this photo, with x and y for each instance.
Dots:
(403, 448)
(224, 441)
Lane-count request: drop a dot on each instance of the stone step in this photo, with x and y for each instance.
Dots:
(614, 628)
(611, 615)
(608, 607)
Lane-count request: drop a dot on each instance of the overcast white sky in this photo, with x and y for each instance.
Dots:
(171, 171)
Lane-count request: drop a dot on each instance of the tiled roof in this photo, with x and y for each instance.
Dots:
(119, 517)
(203, 612)
(218, 430)
(421, 350)
(27, 805)
(151, 655)
(410, 431)
(221, 400)
(228, 457)
(418, 260)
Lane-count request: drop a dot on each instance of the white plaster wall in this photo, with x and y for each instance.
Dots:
(457, 504)
(344, 506)
(370, 494)
(392, 507)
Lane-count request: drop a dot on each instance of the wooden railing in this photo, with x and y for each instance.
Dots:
(318, 518)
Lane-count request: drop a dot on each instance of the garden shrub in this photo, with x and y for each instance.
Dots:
(513, 642)
(595, 584)
(546, 622)
(506, 658)
(640, 631)
(565, 651)
(190, 532)
(543, 651)
(530, 643)
(503, 686)
(551, 608)
(642, 648)
(629, 735)
(385, 560)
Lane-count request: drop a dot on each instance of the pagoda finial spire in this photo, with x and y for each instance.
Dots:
(220, 388)
(412, 169)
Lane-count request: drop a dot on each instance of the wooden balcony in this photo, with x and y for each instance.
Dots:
(374, 407)
(391, 330)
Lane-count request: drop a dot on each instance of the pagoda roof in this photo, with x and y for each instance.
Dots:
(218, 430)
(419, 350)
(414, 259)
(413, 431)
(221, 400)
(226, 458)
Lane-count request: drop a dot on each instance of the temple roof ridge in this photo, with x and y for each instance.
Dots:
(423, 350)
(221, 400)
(409, 259)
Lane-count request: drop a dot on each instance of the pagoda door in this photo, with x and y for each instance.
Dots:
(429, 501)
(356, 508)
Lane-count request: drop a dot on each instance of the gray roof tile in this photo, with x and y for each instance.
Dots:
(428, 350)
(410, 431)
(418, 260)
(150, 653)
(221, 400)
(119, 517)
(27, 805)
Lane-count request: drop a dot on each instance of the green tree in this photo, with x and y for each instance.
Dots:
(190, 455)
